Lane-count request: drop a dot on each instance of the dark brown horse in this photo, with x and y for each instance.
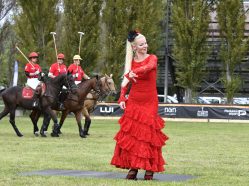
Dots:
(12, 98)
(73, 103)
(107, 87)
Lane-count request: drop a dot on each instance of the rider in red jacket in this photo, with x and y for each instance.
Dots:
(32, 69)
(58, 67)
(76, 70)
(55, 70)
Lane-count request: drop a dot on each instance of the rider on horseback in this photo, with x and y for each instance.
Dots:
(76, 70)
(56, 69)
(32, 70)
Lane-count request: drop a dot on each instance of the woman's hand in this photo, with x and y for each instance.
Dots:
(132, 76)
(122, 105)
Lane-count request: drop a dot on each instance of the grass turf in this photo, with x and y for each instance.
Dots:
(217, 153)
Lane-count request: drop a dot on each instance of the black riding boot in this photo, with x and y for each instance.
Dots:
(62, 97)
(37, 95)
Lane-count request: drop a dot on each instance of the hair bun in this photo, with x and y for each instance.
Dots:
(132, 34)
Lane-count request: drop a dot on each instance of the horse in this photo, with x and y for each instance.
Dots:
(107, 87)
(73, 103)
(13, 98)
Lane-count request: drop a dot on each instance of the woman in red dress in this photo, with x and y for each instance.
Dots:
(140, 139)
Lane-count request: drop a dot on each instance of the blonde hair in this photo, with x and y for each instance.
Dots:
(128, 58)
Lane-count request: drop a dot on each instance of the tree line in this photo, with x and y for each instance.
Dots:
(106, 24)
(190, 25)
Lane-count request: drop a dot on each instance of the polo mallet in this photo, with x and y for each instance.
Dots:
(53, 33)
(55, 48)
(24, 55)
(81, 34)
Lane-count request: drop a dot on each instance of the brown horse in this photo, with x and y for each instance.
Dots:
(107, 87)
(73, 103)
(12, 98)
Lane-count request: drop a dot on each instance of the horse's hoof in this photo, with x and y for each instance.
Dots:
(36, 134)
(54, 134)
(19, 135)
(59, 132)
(85, 133)
(43, 135)
(82, 135)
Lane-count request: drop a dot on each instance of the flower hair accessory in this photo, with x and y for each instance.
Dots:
(132, 34)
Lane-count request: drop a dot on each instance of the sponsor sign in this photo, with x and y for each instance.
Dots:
(170, 111)
(183, 111)
(202, 113)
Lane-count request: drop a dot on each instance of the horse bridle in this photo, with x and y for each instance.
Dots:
(69, 86)
(109, 88)
(99, 93)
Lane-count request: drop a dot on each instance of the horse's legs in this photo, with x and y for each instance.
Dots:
(4, 112)
(63, 117)
(45, 124)
(78, 119)
(12, 121)
(34, 116)
(87, 118)
(87, 124)
(51, 113)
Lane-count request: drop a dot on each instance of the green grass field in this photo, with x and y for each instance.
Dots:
(217, 153)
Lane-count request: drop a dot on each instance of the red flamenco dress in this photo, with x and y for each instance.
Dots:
(140, 139)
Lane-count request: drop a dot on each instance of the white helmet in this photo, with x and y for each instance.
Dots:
(77, 57)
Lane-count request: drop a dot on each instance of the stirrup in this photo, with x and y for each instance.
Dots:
(148, 175)
(132, 174)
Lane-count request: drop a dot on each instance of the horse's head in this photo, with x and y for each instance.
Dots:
(95, 84)
(68, 81)
(107, 85)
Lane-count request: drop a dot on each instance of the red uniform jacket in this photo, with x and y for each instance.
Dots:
(57, 69)
(31, 69)
(76, 69)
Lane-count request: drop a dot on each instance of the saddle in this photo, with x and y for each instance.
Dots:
(28, 92)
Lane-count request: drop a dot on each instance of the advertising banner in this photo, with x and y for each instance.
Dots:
(183, 111)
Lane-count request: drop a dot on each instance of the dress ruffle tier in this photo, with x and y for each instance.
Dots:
(139, 141)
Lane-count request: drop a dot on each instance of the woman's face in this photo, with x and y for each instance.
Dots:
(141, 45)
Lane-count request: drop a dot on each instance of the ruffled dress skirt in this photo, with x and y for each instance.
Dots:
(140, 139)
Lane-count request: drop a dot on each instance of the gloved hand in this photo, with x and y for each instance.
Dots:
(77, 75)
(37, 72)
